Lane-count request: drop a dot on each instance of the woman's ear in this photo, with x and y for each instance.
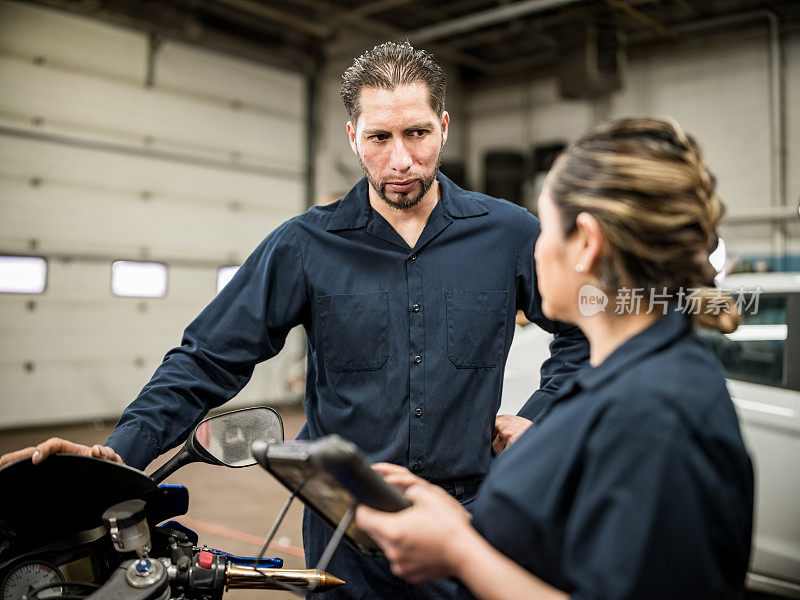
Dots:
(590, 242)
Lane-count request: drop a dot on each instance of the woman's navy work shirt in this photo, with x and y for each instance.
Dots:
(633, 483)
(406, 346)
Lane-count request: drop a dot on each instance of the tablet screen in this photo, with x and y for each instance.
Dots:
(323, 493)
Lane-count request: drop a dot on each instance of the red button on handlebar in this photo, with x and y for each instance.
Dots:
(205, 559)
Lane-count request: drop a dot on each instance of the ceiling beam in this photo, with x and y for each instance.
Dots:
(260, 9)
(484, 18)
(642, 18)
(371, 8)
(181, 26)
(378, 30)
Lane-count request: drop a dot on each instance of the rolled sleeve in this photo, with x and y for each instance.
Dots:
(246, 323)
(640, 498)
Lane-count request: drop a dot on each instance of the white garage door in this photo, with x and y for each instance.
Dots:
(189, 162)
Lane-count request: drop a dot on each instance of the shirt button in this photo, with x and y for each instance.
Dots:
(418, 412)
(417, 359)
(415, 467)
(413, 257)
(416, 307)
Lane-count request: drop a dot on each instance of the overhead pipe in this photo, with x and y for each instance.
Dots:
(484, 18)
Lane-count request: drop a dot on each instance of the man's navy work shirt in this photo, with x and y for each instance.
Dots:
(634, 483)
(406, 347)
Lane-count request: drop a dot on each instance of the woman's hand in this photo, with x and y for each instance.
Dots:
(434, 538)
(398, 476)
(57, 445)
(418, 541)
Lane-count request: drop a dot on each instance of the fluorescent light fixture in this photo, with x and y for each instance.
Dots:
(224, 275)
(717, 259)
(138, 279)
(22, 274)
(759, 333)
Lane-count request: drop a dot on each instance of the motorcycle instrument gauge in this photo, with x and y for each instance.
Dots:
(29, 576)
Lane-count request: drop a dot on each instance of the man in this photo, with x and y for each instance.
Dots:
(407, 289)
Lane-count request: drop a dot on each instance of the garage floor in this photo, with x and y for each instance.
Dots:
(230, 509)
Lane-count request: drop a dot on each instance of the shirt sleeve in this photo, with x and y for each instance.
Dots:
(569, 350)
(246, 323)
(652, 518)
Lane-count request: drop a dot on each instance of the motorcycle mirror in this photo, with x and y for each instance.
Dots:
(228, 437)
(225, 439)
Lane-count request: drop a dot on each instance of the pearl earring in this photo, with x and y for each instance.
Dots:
(579, 268)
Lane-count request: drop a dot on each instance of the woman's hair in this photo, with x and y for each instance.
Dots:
(645, 183)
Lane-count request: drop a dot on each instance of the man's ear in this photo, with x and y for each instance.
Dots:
(591, 241)
(351, 135)
(445, 125)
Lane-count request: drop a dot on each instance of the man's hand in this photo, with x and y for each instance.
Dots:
(56, 445)
(507, 429)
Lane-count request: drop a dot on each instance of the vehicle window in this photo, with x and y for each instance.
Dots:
(754, 352)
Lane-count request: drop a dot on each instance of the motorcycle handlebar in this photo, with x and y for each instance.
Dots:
(239, 576)
(149, 579)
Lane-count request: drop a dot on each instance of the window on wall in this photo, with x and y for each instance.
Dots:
(224, 275)
(138, 279)
(22, 274)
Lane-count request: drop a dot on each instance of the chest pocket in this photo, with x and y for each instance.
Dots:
(354, 331)
(476, 322)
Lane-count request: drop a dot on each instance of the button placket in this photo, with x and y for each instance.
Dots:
(416, 337)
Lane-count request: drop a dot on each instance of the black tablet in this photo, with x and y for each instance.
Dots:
(330, 475)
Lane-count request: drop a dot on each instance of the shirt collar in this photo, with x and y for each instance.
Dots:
(354, 210)
(457, 202)
(658, 335)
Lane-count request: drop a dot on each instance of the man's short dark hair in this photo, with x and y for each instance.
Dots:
(388, 66)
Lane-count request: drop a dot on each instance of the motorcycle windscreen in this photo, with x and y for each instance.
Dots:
(62, 498)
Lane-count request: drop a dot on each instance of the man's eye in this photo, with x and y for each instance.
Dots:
(418, 132)
(379, 137)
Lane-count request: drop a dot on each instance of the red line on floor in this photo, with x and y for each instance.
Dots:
(238, 536)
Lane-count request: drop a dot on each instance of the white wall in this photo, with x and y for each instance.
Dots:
(717, 88)
(94, 165)
(337, 168)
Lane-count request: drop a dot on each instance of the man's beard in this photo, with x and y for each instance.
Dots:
(404, 200)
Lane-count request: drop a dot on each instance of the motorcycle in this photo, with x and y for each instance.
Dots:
(77, 527)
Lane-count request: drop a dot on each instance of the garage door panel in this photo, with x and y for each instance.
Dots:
(184, 67)
(61, 392)
(96, 108)
(136, 174)
(167, 232)
(34, 31)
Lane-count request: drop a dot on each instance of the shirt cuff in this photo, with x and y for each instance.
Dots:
(535, 404)
(136, 446)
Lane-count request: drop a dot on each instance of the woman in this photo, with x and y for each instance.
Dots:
(634, 482)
